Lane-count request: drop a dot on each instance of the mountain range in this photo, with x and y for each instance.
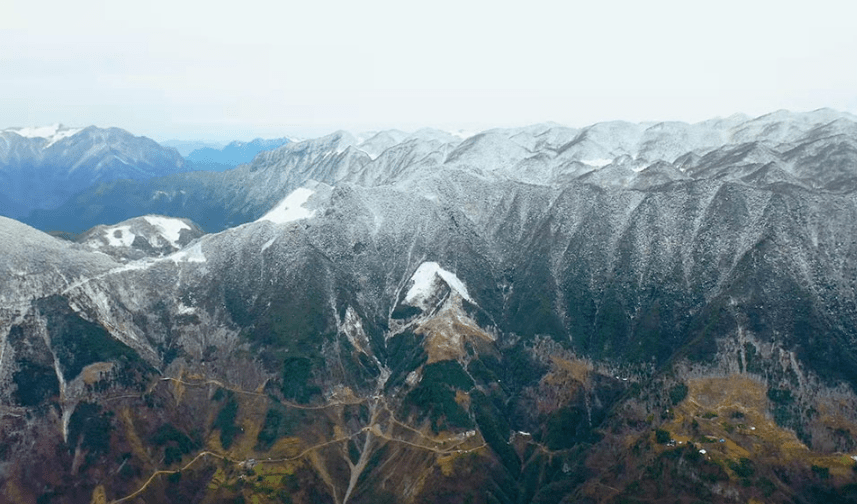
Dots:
(618, 313)
(232, 154)
(813, 150)
(40, 168)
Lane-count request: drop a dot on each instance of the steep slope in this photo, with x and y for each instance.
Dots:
(426, 327)
(358, 344)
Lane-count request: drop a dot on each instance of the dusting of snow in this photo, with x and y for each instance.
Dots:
(170, 228)
(598, 163)
(120, 236)
(423, 280)
(291, 208)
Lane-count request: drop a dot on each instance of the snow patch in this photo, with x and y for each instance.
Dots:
(170, 228)
(120, 236)
(352, 326)
(598, 163)
(131, 266)
(291, 208)
(423, 286)
(192, 255)
(185, 310)
(413, 378)
(54, 133)
(268, 243)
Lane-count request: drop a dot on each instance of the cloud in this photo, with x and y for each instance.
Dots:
(170, 68)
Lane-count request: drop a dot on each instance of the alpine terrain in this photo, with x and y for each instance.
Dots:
(41, 168)
(620, 313)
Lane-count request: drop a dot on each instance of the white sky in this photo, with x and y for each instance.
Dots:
(237, 70)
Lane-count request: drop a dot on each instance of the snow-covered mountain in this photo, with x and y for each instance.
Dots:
(539, 314)
(40, 168)
(52, 134)
(146, 236)
(811, 150)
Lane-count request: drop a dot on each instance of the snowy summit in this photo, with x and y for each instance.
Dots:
(52, 133)
(291, 208)
(424, 281)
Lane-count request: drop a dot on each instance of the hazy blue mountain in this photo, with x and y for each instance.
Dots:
(185, 147)
(40, 168)
(231, 155)
(213, 200)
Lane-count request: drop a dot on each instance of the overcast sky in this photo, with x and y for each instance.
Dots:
(242, 69)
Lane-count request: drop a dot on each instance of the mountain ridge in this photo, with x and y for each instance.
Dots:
(40, 172)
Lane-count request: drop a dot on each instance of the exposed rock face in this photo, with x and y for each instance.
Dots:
(407, 330)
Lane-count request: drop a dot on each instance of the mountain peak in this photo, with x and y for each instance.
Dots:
(53, 133)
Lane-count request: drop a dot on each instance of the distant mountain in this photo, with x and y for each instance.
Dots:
(213, 200)
(232, 155)
(185, 147)
(40, 168)
(809, 150)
